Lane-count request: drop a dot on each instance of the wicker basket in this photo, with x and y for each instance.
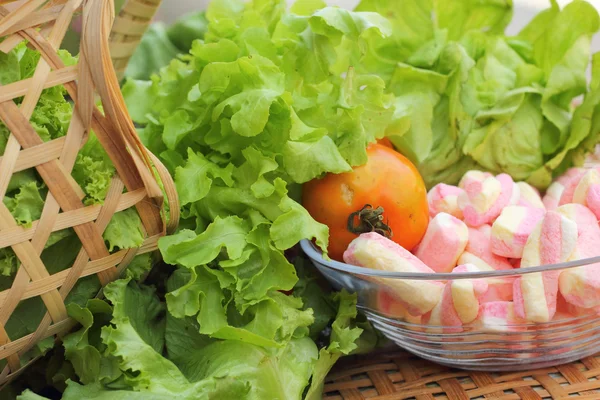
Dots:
(127, 31)
(395, 375)
(43, 24)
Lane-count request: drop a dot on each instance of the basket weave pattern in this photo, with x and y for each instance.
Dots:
(128, 29)
(396, 375)
(43, 24)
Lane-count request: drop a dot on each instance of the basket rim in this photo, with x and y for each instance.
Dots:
(316, 256)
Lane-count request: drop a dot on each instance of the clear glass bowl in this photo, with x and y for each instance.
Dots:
(486, 345)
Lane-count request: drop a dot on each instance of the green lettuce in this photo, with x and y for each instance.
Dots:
(127, 347)
(469, 97)
(266, 100)
(154, 52)
(27, 203)
(160, 44)
(241, 124)
(187, 29)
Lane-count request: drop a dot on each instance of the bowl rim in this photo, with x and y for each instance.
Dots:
(316, 255)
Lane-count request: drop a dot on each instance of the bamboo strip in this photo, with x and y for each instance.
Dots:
(20, 88)
(9, 237)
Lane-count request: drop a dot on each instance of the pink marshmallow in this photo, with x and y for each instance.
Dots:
(553, 195)
(587, 191)
(529, 196)
(512, 228)
(570, 174)
(570, 311)
(444, 198)
(589, 179)
(565, 310)
(498, 316)
(570, 183)
(499, 289)
(593, 200)
(552, 241)
(460, 301)
(371, 250)
(580, 286)
(479, 251)
(473, 176)
(444, 241)
(485, 196)
(389, 305)
(582, 216)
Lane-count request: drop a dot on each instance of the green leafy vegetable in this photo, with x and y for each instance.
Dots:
(128, 346)
(241, 126)
(26, 205)
(154, 52)
(124, 230)
(468, 97)
(186, 29)
(160, 44)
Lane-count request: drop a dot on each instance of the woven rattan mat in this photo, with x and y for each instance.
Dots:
(396, 374)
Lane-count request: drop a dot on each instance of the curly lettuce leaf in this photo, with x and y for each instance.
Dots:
(257, 373)
(268, 100)
(461, 16)
(132, 343)
(124, 231)
(8, 262)
(52, 113)
(187, 29)
(127, 348)
(411, 28)
(194, 179)
(189, 250)
(135, 338)
(582, 137)
(82, 349)
(139, 266)
(257, 315)
(93, 176)
(26, 205)
(506, 106)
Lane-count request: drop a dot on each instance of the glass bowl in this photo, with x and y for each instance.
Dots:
(486, 344)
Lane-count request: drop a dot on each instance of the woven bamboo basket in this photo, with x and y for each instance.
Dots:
(42, 24)
(396, 375)
(128, 29)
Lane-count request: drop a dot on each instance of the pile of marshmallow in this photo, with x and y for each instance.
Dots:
(493, 223)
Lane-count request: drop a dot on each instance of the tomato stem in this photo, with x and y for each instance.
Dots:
(369, 219)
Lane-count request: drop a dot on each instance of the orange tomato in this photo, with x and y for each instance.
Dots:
(388, 180)
(386, 142)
